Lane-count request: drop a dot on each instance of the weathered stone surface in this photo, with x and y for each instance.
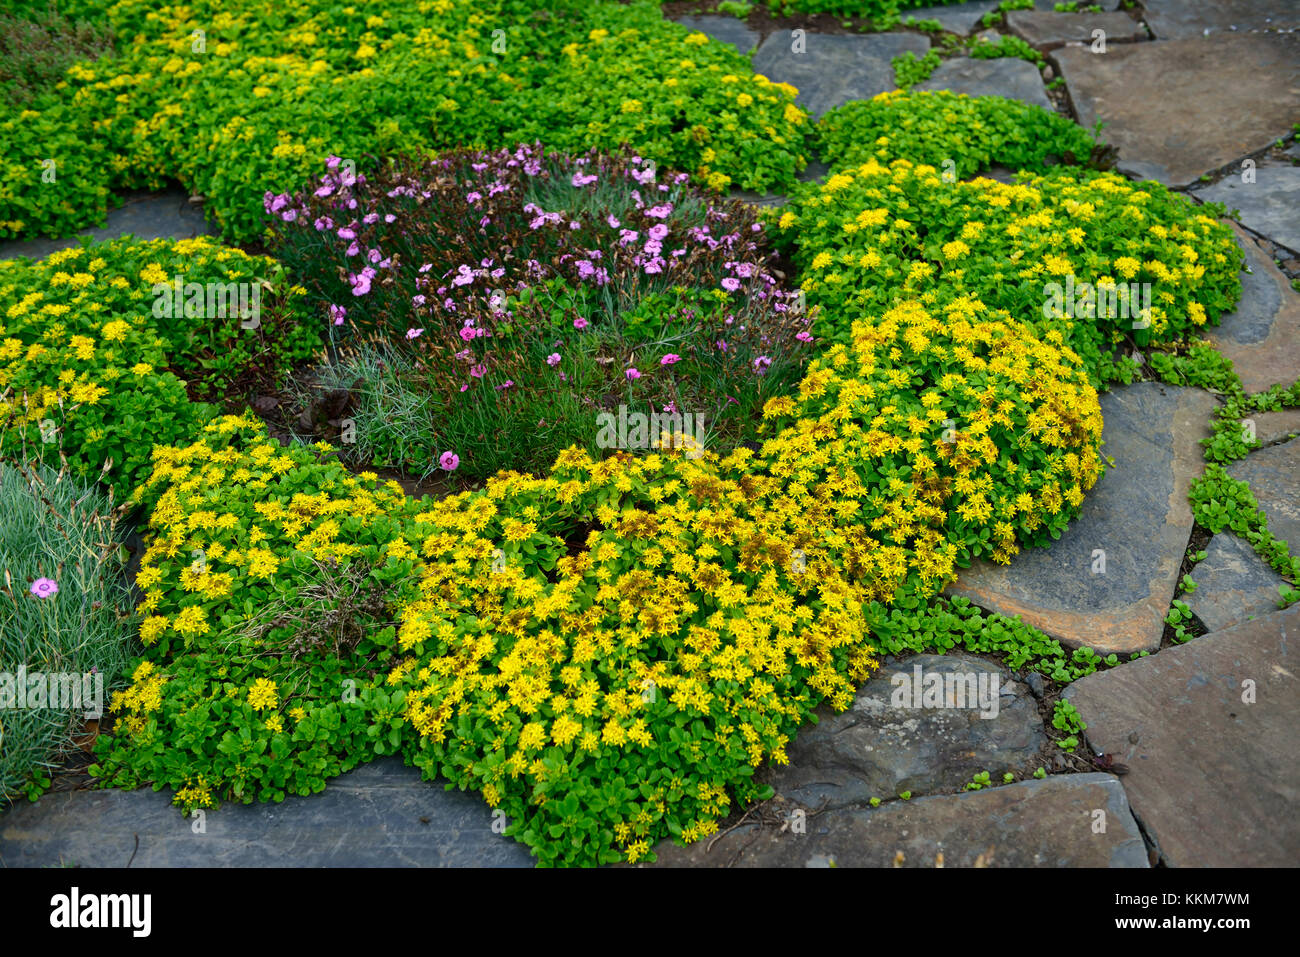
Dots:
(1045, 823)
(1270, 205)
(1047, 30)
(1003, 174)
(1137, 514)
(1262, 335)
(1182, 108)
(1232, 584)
(832, 69)
(1177, 19)
(724, 30)
(815, 170)
(1274, 477)
(961, 18)
(374, 816)
(163, 215)
(1213, 779)
(884, 745)
(1008, 76)
(1273, 427)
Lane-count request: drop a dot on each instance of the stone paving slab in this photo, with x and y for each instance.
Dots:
(815, 170)
(1178, 19)
(1047, 823)
(1046, 30)
(962, 18)
(1232, 584)
(1137, 515)
(725, 30)
(892, 740)
(833, 69)
(163, 215)
(1273, 427)
(1011, 77)
(1212, 778)
(1269, 203)
(378, 815)
(1182, 108)
(1262, 335)
(1274, 477)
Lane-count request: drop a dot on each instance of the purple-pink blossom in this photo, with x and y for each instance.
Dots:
(44, 588)
(449, 461)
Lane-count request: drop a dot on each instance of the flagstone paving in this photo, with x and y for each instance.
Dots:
(1268, 197)
(1179, 109)
(893, 739)
(159, 215)
(1177, 19)
(1007, 76)
(1108, 581)
(1082, 820)
(1262, 335)
(1207, 730)
(1273, 475)
(379, 815)
(1273, 427)
(829, 70)
(725, 30)
(1233, 584)
(1047, 30)
(962, 18)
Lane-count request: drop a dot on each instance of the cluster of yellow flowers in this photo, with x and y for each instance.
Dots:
(1099, 255)
(935, 425)
(661, 614)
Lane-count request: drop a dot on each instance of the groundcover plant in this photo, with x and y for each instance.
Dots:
(234, 99)
(498, 227)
